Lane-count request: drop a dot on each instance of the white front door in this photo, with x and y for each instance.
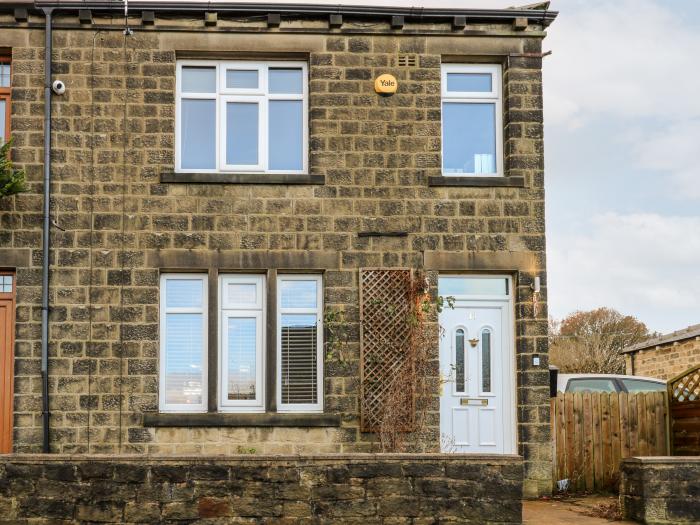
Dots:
(477, 407)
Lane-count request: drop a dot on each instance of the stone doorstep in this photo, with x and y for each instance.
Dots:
(660, 460)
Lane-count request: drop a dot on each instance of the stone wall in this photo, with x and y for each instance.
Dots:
(121, 224)
(665, 361)
(351, 489)
(661, 490)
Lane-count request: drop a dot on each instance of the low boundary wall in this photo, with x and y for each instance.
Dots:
(347, 488)
(661, 490)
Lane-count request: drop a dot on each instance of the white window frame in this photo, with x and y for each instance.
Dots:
(466, 97)
(260, 95)
(164, 310)
(301, 407)
(227, 310)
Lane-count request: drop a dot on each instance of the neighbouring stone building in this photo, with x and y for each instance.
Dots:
(665, 356)
(225, 179)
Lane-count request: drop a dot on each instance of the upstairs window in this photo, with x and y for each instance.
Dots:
(242, 117)
(5, 69)
(472, 122)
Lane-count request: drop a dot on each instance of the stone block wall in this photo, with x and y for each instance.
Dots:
(661, 490)
(121, 225)
(351, 489)
(665, 361)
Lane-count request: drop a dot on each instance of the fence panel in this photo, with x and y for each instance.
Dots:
(593, 431)
(684, 395)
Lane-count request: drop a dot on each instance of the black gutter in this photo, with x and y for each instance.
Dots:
(46, 234)
(539, 16)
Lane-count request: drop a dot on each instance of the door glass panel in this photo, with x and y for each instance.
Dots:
(6, 284)
(286, 133)
(452, 286)
(241, 358)
(469, 137)
(473, 82)
(198, 79)
(242, 78)
(198, 134)
(486, 361)
(459, 361)
(286, 81)
(241, 133)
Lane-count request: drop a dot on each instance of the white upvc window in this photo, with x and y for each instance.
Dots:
(183, 343)
(299, 343)
(241, 350)
(472, 120)
(242, 117)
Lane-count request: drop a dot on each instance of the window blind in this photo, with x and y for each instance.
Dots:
(299, 360)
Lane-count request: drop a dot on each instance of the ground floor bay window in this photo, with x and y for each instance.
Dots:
(241, 380)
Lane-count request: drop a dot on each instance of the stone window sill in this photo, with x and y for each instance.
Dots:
(240, 420)
(512, 182)
(242, 178)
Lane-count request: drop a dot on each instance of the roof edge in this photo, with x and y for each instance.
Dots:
(542, 16)
(690, 332)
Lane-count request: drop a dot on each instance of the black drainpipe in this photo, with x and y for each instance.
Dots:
(46, 233)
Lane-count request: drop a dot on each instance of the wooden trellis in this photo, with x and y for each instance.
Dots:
(385, 306)
(684, 401)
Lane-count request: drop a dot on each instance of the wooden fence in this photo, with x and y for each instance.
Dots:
(684, 395)
(593, 431)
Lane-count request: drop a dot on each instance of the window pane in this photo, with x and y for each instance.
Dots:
(241, 133)
(591, 385)
(299, 359)
(3, 116)
(198, 79)
(286, 134)
(4, 75)
(288, 81)
(469, 137)
(474, 82)
(198, 134)
(298, 294)
(242, 79)
(183, 359)
(486, 361)
(639, 385)
(183, 293)
(449, 286)
(459, 355)
(242, 293)
(241, 358)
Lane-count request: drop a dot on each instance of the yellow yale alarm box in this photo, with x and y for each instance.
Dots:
(386, 84)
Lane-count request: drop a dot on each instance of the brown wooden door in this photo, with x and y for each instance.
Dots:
(7, 333)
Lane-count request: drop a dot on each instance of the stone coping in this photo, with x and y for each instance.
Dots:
(277, 458)
(671, 460)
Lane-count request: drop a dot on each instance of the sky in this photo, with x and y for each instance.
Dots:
(622, 138)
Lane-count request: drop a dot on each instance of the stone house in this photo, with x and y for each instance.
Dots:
(223, 178)
(665, 356)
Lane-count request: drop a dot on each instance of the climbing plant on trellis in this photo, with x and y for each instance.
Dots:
(386, 305)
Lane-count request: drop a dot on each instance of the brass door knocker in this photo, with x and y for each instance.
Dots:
(474, 342)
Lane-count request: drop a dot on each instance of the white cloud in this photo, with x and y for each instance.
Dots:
(622, 58)
(641, 264)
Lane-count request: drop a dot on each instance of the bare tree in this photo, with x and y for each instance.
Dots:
(590, 342)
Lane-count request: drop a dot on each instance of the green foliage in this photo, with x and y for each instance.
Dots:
(12, 180)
